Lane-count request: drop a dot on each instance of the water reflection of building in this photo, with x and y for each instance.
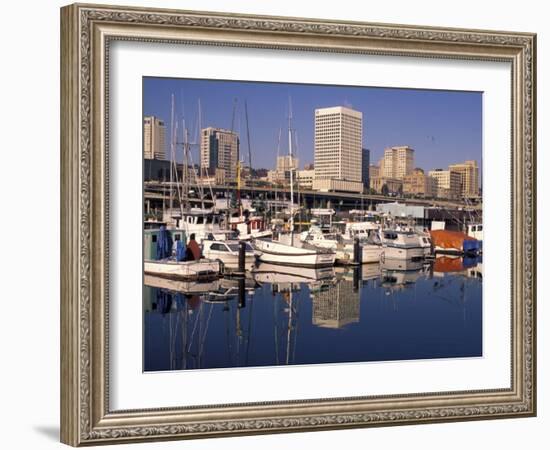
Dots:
(335, 305)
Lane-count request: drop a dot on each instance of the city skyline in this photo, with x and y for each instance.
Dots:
(444, 127)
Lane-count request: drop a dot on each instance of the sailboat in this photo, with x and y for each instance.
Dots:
(165, 249)
(288, 249)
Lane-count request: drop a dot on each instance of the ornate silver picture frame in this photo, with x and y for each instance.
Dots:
(87, 32)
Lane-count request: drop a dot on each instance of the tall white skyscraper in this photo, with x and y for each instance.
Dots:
(338, 145)
(154, 133)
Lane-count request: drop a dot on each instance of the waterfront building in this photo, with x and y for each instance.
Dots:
(469, 178)
(397, 162)
(365, 164)
(154, 134)
(213, 179)
(336, 306)
(335, 185)
(448, 183)
(157, 170)
(219, 150)
(305, 178)
(287, 163)
(276, 176)
(385, 186)
(419, 184)
(338, 149)
(374, 171)
(282, 172)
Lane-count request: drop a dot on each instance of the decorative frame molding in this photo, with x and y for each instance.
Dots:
(86, 32)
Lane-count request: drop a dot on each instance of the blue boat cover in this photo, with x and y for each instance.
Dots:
(180, 250)
(164, 243)
(471, 246)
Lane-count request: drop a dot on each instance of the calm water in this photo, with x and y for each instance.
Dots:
(281, 316)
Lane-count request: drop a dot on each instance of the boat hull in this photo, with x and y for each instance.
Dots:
(277, 253)
(185, 270)
(369, 254)
(391, 252)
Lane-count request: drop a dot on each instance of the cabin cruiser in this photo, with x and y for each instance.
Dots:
(400, 244)
(249, 226)
(227, 251)
(344, 245)
(200, 222)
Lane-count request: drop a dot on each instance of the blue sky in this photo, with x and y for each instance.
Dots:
(443, 127)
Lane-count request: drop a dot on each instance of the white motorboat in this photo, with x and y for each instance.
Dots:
(371, 250)
(201, 269)
(401, 245)
(200, 222)
(315, 236)
(295, 253)
(249, 227)
(228, 252)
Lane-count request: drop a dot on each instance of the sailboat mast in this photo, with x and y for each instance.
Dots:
(291, 221)
(248, 144)
(172, 154)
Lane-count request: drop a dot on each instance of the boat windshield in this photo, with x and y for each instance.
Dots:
(235, 247)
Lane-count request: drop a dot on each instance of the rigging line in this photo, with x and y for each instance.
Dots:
(197, 316)
(201, 344)
(296, 329)
(251, 305)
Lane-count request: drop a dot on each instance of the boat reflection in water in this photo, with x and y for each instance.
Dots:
(393, 310)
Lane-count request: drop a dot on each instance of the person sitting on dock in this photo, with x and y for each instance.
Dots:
(193, 251)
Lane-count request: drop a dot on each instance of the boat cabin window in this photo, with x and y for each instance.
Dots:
(219, 247)
(390, 235)
(200, 220)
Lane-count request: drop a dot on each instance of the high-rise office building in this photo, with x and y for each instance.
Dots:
(447, 182)
(469, 177)
(397, 162)
(338, 148)
(220, 150)
(154, 133)
(365, 164)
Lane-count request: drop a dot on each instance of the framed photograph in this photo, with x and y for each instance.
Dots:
(276, 224)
